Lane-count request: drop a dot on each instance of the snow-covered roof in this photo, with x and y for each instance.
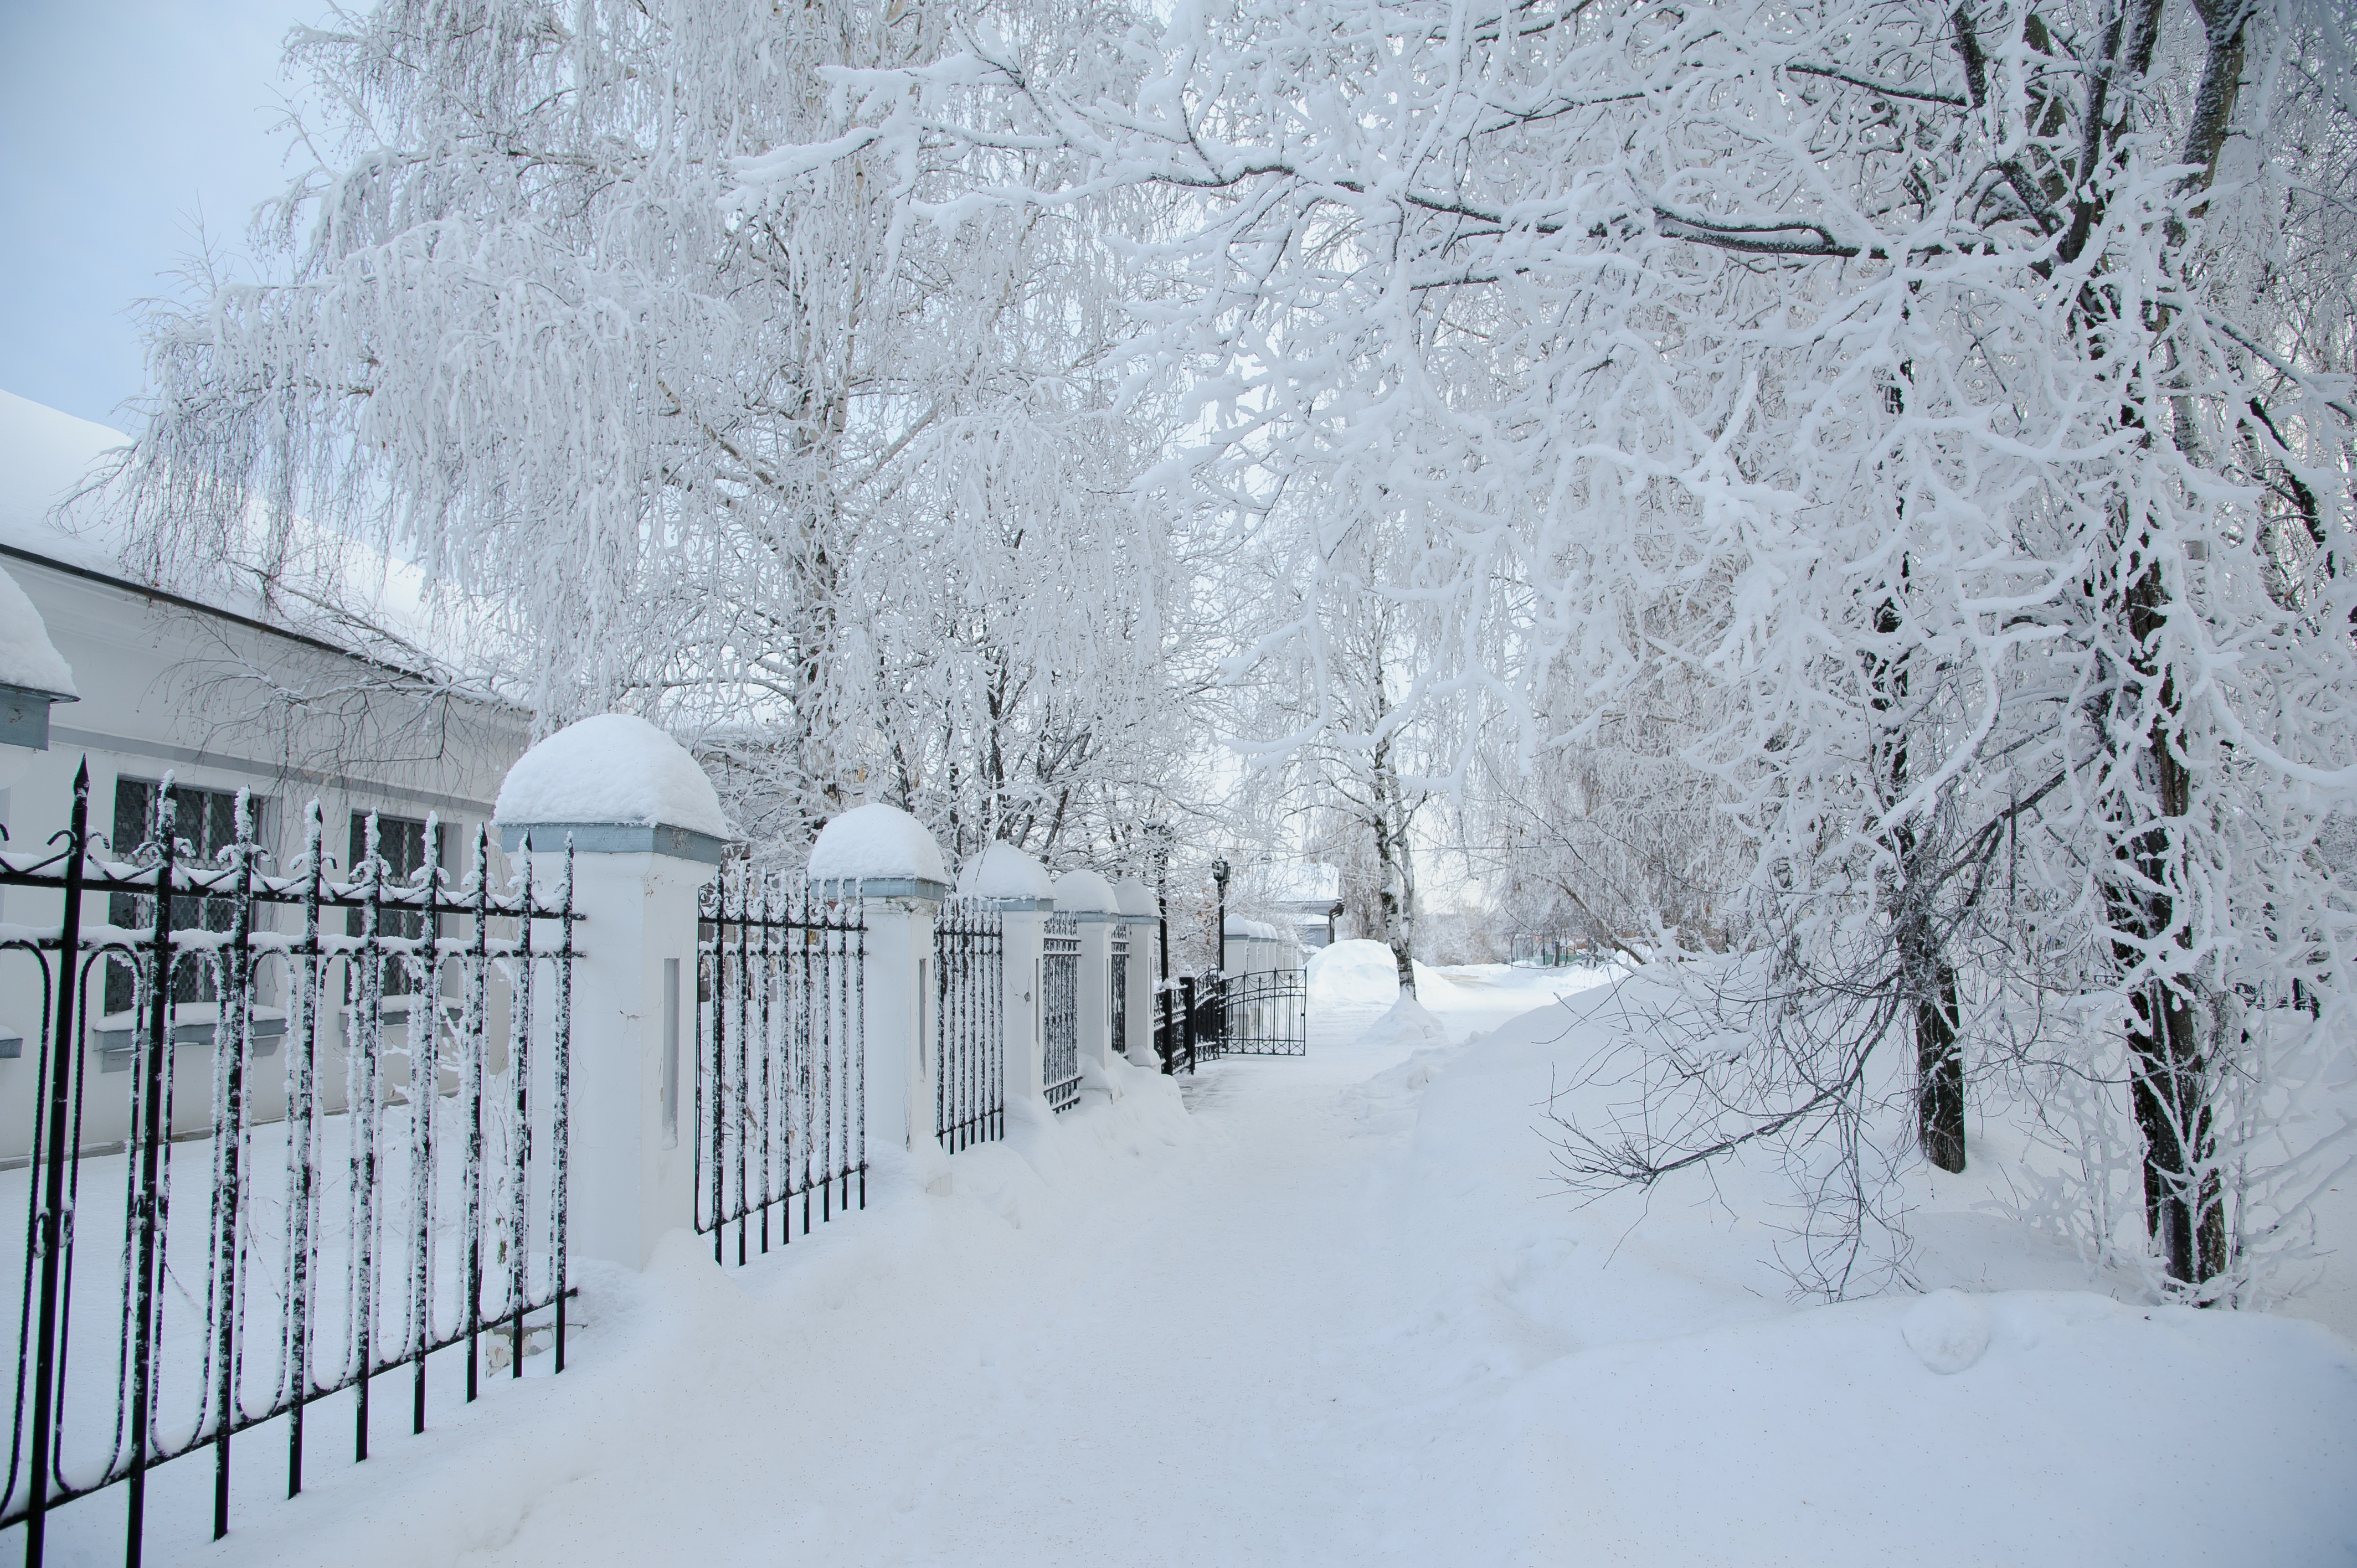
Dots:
(1296, 882)
(322, 584)
(44, 454)
(1256, 930)
(27, 657)
(1002, 871)
(876, 843)
(1082, 891)
(1133, 897)
(614, 767)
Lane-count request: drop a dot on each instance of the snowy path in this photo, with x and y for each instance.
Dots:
(1190, 1359)
(1321, 1318)
(1196, 1371)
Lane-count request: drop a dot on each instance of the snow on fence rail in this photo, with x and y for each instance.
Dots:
(781, 1061)
(268, 1252)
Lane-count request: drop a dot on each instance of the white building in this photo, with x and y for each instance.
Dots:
(325, 682)
(1309, 894)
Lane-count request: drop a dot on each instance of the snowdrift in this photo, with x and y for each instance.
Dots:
(1668, 1404)
(1359, 973)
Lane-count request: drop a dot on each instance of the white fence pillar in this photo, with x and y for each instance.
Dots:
(897, 990)
(1017, 887)
(633, 1152)
(891, 862)
(1096, 986)
(1090, 899)
(1134, 899)
(1137, 1001)
(646, 832)
(1026, 924)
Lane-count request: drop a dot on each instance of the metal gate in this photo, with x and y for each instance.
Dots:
(395, 1186)
(970, 1029)
(781, 1061)
(1059, 1012)
(1117, 990)
(1266, 1013)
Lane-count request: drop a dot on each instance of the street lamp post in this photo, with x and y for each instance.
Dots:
(1159, 832)
(1220, 877)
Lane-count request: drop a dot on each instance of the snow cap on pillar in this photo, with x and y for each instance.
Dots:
(613, 784)
(884, 850)
(1082, 892)
(1009, 877)
(1134, 899)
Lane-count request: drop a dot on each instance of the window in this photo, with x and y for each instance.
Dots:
(401, 843)
(205, 821)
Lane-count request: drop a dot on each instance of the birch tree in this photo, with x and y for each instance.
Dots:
(695, 460)
(1944, 366)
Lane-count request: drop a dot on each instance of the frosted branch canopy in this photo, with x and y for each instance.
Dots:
(1002, 871)
(27, 657)
(614, 767)
(876, 844)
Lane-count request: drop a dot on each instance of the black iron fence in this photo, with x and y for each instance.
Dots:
(1189, 1022)
(970, 1025)
(1059, 1012)
(1174, 1045)
(1265, 1014)
(1551, 950)
(395, 1187)
(1117, 990)
(781, 1058)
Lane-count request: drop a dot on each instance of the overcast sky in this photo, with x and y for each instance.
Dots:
(122, 123)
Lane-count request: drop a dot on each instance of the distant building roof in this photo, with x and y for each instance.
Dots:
(323, 587)
(1300, 881)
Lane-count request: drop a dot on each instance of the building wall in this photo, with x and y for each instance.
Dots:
(222, 706)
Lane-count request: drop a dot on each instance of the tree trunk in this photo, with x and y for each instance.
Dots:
(2170, 1072)
(1927, 980)
(1396, 895)
(1939, 1069)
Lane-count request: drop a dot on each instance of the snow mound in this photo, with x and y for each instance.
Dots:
(1407, 1026)
(1947, 1330)
(1354, 973)
(27, 657)
(1817, 1438)
(1002, 871)
(1087, 892)
(614, 767)
(1360, 973)
(1387, 1100)
(876, 841)
(1660, 1402)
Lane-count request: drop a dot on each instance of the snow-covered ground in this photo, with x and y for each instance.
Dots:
(1328, 1310)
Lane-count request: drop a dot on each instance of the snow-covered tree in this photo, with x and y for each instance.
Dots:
(1971, 384)
(760, 470)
